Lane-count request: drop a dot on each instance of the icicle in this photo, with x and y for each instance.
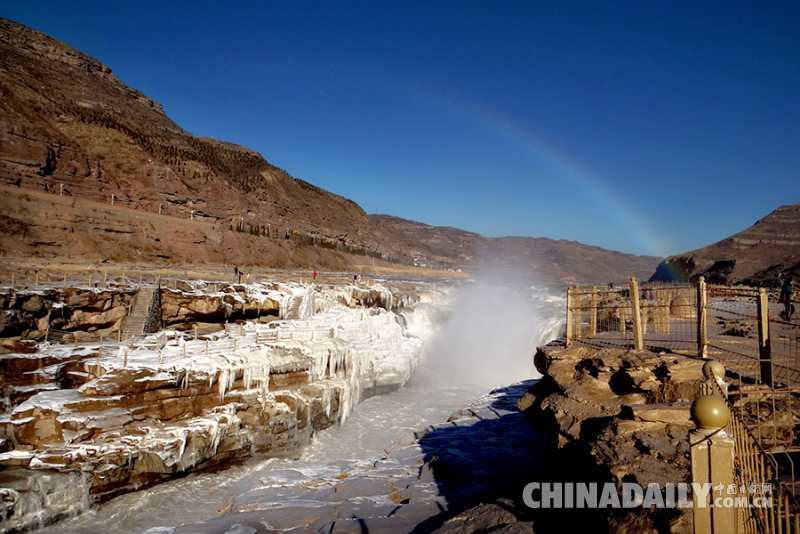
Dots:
(231, 376)
(223, 383)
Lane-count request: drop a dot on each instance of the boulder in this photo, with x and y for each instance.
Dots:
(619, 416)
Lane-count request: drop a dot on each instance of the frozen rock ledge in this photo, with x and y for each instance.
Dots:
(84, 423)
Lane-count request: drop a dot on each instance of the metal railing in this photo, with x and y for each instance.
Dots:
(743, 327)
(43, 279)
(655, 315)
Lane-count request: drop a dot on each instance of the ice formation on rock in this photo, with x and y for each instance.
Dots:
(122, 416)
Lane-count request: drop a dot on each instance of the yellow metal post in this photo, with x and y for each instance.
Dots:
(702, 318)
(764, 342)
(712, 456)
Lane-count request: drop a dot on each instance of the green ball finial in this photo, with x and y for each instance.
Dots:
(713, 369)
(710, 411)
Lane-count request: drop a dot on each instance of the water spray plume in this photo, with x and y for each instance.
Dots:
(496, 323)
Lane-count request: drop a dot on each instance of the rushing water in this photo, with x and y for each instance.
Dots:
(487, 344)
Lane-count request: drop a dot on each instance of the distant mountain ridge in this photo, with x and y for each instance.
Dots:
(762, 253)
(67, 124)
(547, 259)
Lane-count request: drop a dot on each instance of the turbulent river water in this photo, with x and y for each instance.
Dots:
(362, 468)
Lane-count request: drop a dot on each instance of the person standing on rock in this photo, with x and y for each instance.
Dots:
(787, 292)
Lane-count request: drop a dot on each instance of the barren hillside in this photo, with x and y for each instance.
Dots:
(66, 119)
(762, 253)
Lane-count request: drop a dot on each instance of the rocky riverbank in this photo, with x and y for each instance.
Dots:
(86, 422)
(615, 415)
(75, 314)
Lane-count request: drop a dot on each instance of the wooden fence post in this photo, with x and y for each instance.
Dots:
(764, 341)
(568, 340)
(593, 316)
(638, 339)
(113, 197)
(702, 318)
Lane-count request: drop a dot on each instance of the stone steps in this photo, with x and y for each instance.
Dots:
(137, 318)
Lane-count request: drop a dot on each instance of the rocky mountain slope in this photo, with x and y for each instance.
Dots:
(763, 253)
(92, 170)
(66, 119)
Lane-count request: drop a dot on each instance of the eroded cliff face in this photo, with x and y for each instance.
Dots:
(76, 314)
(617, 416)
(29, 315)
(84, 423)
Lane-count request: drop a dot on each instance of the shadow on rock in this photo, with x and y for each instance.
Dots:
(484, 455)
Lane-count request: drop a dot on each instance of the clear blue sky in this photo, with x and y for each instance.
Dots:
(649, 127)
